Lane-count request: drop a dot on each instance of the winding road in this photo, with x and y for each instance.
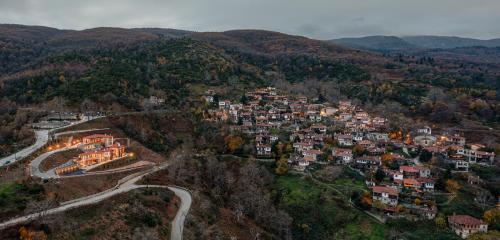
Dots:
(35, 164)
(125, 184)
(122, 187)
(42, 137)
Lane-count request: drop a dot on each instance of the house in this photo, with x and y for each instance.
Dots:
(462, 166)
(367, 162)
(263, 150)
(224, 104)
(302, 165)
(386, 195)
(155, 101)
(465, 225)
(457, 140)
(425, 140)
(474, 180)
(427, 184)
(342, 155)
(344, 140)
(411, 183)
(328, 111)
(423, 171)
(358, 137)
(96, 141)
(475, 155)
(302, 146)
(367, 144)
(345, 117)
(318, 128)
(100, 156)
(426, 130)
(303, 100)
(344, 105)
(377, 137)
(409, 171)
(397, 177)
(311, 154)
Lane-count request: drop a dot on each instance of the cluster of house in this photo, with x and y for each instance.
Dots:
(451, 146)
(359, 140)
(414, 179)
(97, 149)
(265, 110)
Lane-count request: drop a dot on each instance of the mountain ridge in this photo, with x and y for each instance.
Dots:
(394, 43)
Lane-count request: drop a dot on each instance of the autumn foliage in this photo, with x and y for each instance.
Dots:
(233, 143)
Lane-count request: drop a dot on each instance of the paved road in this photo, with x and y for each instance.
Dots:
(42, 136)
(122, 187)
(35, 164)
(180, 217)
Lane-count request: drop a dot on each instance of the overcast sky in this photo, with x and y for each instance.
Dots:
(321, 19)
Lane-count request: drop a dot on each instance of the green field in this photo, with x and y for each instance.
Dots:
(320, 213)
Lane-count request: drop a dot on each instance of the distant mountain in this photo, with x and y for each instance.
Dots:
(387, 43)
(449, 42)
(392, 43)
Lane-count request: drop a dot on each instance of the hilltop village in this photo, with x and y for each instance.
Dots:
(403, 170)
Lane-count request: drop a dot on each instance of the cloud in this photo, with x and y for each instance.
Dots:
(322, 19)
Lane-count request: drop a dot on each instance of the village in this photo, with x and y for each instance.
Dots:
(400, 168)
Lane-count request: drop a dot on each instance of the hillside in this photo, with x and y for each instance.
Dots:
(449, 42)
(393, 43)
(384, 43)
(238, 189)
(125, 66)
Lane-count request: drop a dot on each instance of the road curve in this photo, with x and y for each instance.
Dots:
(126, 184)
(35, 164)
(180, 217)
(42, 137)
(87, 201)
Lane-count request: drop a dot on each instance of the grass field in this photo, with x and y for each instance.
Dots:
(320, 213)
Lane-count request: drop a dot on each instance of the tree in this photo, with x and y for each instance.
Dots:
(366, 200)
(492, 216)
(281, 166)
(452, 186)
(233, 143)
(440, 221)
(387, 157)
(244, 99)
(29, 234)
(425, 156)
(379, 175)
(358, 150)
(379, 205)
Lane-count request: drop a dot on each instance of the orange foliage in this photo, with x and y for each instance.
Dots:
(387, 157)
(233, 143)
(28, 234)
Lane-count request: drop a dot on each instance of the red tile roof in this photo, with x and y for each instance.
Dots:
(408, 169)
(384, 189)
(411, 181)
(465, 220)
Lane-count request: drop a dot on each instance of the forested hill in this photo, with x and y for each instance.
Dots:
(120, 67)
